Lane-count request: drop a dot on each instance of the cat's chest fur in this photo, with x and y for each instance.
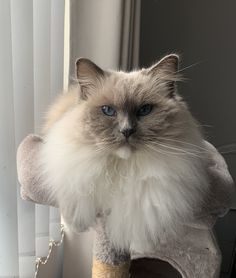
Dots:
(147, 196)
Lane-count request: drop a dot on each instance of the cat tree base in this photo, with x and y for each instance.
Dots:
(196, 255)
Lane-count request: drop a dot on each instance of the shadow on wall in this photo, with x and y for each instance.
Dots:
(203, 32)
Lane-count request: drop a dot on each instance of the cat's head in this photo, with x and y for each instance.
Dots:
(125, 112)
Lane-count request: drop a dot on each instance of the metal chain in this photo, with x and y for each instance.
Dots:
(44, 260)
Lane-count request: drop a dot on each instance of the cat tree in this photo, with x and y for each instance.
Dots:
(194, 255)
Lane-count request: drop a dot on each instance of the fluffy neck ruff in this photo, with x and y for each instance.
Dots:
(146, 198)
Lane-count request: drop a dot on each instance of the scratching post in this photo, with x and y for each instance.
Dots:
(108, 262)
(103, 270)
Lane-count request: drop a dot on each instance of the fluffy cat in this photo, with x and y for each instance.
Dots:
(125, 145)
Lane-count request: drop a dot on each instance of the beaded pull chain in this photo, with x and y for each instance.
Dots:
(44, 260)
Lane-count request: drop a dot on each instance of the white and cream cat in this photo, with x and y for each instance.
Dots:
(124, 145)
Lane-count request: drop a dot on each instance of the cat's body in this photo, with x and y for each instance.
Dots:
(124, 145)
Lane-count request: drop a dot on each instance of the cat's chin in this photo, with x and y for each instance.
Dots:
(124, 152)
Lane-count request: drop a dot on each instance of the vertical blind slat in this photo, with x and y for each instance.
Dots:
(57, 62)
(55, 224)
(42, 230)
(57, 46)
(22, 54)
(42, 97)
(42, 58)
(8, 202)
(66, 52)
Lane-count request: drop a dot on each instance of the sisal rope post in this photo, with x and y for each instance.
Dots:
(104, 270)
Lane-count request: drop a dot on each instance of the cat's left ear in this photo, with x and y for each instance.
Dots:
(89, 76)
(166, 70)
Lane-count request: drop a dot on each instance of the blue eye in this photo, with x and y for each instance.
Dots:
(144, 110)
(108, 110)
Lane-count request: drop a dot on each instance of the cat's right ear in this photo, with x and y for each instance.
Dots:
(89, 75)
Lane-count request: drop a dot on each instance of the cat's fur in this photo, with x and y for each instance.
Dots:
(147, 187)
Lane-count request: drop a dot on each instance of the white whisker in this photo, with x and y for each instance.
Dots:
(183, 142)
(161, 151)
(179, 150)
(190, 66)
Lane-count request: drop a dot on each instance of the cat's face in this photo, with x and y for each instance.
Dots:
(126, 112)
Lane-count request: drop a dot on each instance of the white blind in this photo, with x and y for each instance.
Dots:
(31, 74)
(22, 61)
(8, 203)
